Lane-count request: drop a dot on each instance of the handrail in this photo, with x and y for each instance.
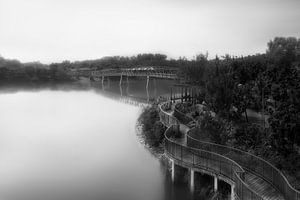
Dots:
(278, 180)
(234, 173)
(133, 71)
(252, 163)
(243, 190)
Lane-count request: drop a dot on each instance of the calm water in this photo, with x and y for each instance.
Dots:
(77, 145)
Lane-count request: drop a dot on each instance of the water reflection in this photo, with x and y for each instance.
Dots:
(59, 143)
(142, 88)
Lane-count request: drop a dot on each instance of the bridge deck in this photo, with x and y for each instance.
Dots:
(262, 187)
(145, 71)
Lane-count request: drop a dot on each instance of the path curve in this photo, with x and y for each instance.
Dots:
(252, 180)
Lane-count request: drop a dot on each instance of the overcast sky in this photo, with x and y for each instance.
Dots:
(56, 30)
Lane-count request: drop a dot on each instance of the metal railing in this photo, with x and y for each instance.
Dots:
(166, 118)
(167, 73)
(209, 161)
(250, 162)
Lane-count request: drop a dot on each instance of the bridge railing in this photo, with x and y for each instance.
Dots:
(166, 118)
(143, 71)
(209, 161)
(250, 162)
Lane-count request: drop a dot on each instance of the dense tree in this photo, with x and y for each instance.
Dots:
(248, 136)
(283, 82)
(268, 83)
(243, 98)
(220, 86)
(195, 70)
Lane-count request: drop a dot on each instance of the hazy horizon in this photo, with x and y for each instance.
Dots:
(54, 31)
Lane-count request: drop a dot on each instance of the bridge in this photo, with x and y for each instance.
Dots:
(146, 71)
(250, 177)
(155, 72)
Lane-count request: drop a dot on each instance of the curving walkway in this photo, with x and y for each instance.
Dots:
(262, 187)
(248, 182)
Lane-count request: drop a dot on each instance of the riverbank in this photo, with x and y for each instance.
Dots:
(150, 130)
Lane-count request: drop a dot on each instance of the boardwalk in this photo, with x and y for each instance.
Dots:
(147, 71)
(262, 187)
(252, 187)
(259, 185)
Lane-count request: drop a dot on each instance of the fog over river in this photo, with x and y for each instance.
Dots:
(76, 145)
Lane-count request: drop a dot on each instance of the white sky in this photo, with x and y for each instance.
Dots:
(56, 30)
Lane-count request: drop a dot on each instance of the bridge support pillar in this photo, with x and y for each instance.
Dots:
(192, 180)
(173, 170)
(147, 84)
(232, 194)
(215, 183)
(120, 80)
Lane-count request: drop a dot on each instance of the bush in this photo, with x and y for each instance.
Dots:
(248, 136)
(152, 128)
(215, 129)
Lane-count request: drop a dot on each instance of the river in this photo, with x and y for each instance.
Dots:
(63, 143)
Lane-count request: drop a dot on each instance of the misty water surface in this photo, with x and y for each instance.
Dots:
(77, 145)
(69, 145)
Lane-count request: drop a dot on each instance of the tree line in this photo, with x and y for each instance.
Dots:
(14, 70)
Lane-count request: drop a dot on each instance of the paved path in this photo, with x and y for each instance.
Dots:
(262, 187)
